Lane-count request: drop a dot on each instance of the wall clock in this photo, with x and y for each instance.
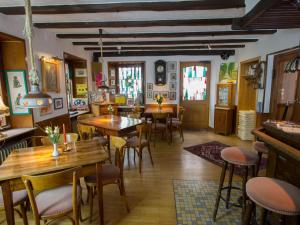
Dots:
(160, 72)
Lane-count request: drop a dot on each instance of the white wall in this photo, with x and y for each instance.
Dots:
(46, 44)
(215, 66)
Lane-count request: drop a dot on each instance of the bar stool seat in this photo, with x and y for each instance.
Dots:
(260, 147)
(274, 195)
(239, 156)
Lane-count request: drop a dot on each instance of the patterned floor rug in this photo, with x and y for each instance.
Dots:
(211, 151)
(195, 203)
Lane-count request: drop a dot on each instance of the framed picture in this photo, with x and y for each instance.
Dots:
(80, 72)
(171, 67)
(149, 87)
(172, 95)
(155, 93)
(81, 89)
(172, 86)
(112, 82)
(50, 76)
(112, 72)
(165, 94)
(150, 94)
(16, 87)
(113, 91)
(130, 101)
(173, 77)
(58, 103)
(46, 110)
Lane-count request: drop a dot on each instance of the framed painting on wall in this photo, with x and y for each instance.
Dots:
(171, 67)
(149, 86)
(165, 94)
(16, 87)
(80, 72)
(150, 94)
(172, 86)
(50, 76)
(58, 103)
(172, 95)
(173, 77)
(46, 110)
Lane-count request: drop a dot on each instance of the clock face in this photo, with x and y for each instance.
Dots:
(160, 69)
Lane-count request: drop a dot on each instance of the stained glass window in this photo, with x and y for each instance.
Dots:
(130, 80)
(195, 83)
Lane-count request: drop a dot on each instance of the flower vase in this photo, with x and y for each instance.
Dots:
(55, 152)
(159, 107)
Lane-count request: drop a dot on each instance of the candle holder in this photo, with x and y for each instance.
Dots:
(68, 146)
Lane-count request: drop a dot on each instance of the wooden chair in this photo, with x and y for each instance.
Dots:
(111, 174)
(138, 143)
(176, 123)
(56, 197)
(71, 137)
(161, 124)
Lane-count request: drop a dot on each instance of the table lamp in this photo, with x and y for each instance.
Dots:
(4, 111)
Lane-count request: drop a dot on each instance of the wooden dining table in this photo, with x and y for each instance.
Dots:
(111, 125)
(87, 155)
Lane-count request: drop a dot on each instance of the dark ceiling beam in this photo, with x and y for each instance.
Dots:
(96, 55)
(143, 48)
(216, 41)
(130, 6)
(152, 23)
(166, 35)
(259, 9)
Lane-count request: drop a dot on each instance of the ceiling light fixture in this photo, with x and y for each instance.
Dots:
(35, 98)
(103, 86)
(293, 65)
(208, 46)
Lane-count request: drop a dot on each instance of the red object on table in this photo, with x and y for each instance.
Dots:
(64, 132)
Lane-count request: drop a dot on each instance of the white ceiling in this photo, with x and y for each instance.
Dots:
(134, 16)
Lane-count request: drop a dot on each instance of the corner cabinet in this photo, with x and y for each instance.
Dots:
(224, 109)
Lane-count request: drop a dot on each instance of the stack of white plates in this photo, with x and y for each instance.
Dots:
(247, 122)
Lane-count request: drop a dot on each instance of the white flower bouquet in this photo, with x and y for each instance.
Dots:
(53, 134)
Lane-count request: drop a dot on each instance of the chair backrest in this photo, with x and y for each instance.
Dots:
(50, 181)
(159, 117)
(85, 116)
(119, 143)
(85, 132)
(181, 113)
(144, 130)
(71, 137)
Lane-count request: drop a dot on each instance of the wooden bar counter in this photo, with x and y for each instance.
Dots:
(283, 160)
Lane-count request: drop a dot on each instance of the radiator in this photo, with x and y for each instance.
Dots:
(7, 149)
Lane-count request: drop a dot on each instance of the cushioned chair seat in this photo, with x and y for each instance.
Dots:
(109, 172)
(274, 195)
(17, 197)
(239, 156)
(56, 201)
(133, 142)
(260, 147)
(102, 140)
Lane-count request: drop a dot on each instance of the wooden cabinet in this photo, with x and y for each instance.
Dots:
(224, 120)
(99, 109)
(225, 95)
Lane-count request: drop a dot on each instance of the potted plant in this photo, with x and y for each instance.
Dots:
(53, 135)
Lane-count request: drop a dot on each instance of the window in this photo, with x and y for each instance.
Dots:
(127, 78)
(194, 83)
(130, 80)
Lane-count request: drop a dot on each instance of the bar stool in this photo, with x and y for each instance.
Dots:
(272, 195)
(261, 149)
(235, 156)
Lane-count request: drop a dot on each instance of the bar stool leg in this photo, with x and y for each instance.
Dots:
(244, 191)
(258, 163)
(248, 216)
(229, 185)
(263, 217)
(220, 190)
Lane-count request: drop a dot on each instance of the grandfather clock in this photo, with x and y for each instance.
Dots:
(160, 73)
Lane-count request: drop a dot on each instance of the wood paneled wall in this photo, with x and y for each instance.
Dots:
(13, 58)
(56, 121)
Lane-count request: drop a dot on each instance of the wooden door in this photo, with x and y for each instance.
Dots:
(285, 89)
(194, 93)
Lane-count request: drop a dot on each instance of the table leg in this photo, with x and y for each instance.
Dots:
(100, 192)
(8, 203)
(108, 147)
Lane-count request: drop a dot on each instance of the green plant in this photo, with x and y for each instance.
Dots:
(53, 134)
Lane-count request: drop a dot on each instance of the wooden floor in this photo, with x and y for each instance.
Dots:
(150, 196)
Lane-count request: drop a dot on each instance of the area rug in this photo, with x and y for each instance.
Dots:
(195, 202)
(211, 151)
